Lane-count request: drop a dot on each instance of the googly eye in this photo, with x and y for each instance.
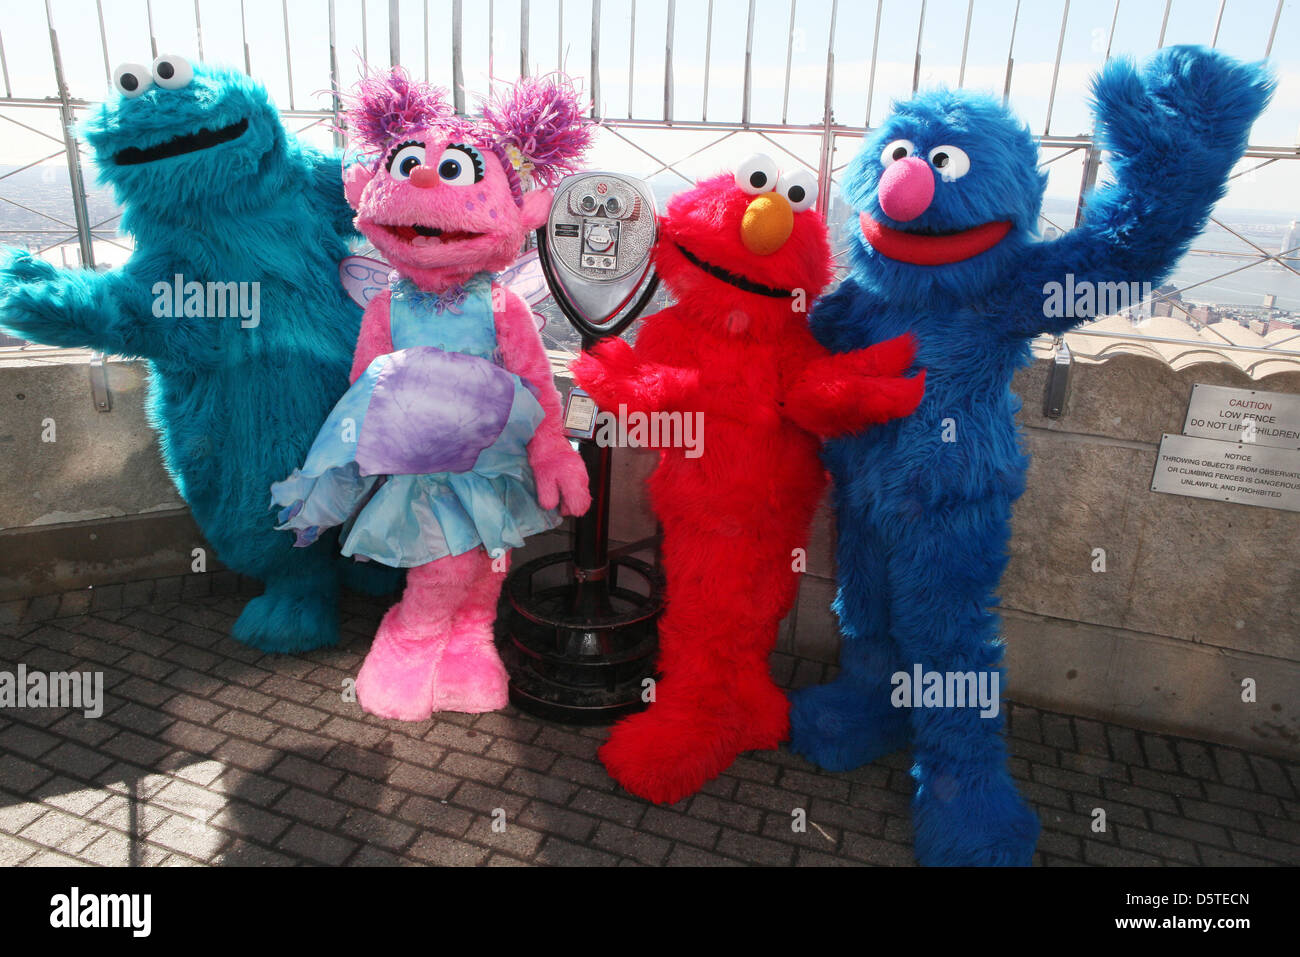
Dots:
(132, 79)
(405, 158)
(172, 72)
(800, 188)
(951, 162)
(897, 150)
(756, 175)
(460, 165)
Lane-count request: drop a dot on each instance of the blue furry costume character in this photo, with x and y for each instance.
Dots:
(948, 191)
(215, 191)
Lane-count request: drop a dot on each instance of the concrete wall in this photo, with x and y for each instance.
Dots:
(1197, 595)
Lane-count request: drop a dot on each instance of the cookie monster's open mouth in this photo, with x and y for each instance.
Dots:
(931, 248)
(731, 279)
(414, 232)
(178, 146)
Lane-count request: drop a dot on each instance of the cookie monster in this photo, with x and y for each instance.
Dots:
(948, 193)
(222, 202)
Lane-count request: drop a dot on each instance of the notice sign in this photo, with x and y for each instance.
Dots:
(1244, 415)
(1240, 472)
(580, 415)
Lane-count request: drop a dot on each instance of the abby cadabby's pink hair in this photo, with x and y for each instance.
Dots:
(541, 119)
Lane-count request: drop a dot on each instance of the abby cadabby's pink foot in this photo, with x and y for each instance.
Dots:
(396, 679)
(470, 677)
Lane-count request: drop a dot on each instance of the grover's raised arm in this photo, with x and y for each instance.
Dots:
(1174, 130)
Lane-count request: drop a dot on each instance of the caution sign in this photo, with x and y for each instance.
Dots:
(1244, 415)
(1241, 472)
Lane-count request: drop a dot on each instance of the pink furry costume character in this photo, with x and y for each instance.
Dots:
(447, 451)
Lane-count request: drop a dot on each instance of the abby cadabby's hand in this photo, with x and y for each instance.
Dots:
(560, 474)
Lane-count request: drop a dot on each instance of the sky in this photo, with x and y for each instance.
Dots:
(632, 62)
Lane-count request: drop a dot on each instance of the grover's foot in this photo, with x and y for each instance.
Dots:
(839, 726)
(670, 751)
(965, 818)
(396, 679)
(290, 617)
(470, 676)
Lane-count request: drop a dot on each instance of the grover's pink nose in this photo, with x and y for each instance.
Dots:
(906, 188)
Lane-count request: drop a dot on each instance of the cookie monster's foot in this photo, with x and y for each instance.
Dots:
(690, 736)
(840, 726)
(290, 616)
(396, 679)
(966, 818)
(370, 578)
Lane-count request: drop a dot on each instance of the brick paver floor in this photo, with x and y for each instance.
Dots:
(209, 752)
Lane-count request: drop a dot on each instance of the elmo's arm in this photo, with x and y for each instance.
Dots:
(846, 392)
(641, 378)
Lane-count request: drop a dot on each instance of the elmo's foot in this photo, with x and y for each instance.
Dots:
(670, 751)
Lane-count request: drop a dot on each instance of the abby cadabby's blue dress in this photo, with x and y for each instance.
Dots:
(426, 455)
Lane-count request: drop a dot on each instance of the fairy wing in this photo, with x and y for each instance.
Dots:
(525, 279)
(364, 278)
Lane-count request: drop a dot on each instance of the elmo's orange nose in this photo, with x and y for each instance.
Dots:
(767, 224)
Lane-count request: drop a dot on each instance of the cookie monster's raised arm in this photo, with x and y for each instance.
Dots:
(1174, 130)
(110, 312)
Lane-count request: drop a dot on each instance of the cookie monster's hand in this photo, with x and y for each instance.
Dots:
(74, 308)
(560, 474)
(844, 393)
(29, 301)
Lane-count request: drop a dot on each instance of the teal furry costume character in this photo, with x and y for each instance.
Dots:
(215, 191)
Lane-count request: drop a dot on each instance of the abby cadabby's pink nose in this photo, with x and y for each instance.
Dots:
(906, 188)
(424, 177)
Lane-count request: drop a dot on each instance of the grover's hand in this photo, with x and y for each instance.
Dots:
(1187, 99)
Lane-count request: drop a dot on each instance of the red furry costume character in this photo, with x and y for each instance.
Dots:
(744, 255)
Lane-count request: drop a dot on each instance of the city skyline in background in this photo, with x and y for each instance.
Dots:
(960, 43)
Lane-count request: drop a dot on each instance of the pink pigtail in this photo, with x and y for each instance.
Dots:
(387, 105)
(541, 123)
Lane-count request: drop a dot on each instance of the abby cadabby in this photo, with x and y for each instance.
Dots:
(447, 451)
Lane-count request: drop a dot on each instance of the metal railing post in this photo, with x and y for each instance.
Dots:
(98, 373)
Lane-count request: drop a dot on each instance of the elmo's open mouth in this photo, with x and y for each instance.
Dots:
(929, 247)
(178, 146)
(731, 279)
(414, 232)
